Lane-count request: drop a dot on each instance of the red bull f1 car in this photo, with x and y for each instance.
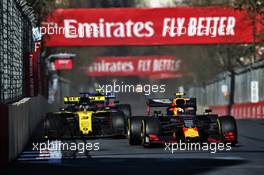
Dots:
(174, 120)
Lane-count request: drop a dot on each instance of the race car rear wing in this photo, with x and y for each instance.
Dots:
(166, 102)
(71, 100)
(159, 102)
(93, 94)
(190, 103)
(84, 99)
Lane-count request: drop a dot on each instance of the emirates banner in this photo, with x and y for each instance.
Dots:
(140, 66)
(147, 26)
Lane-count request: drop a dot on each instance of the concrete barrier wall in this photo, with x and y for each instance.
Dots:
(3, 135)
(24, 116)
(245, 110)
(220, 110)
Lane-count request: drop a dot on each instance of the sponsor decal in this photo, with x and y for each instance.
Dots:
(139, 26)
(142, 66)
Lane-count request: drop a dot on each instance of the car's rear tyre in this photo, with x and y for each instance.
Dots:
(149, 126)
(52, 126)
(118, 123)
(227, 124)
(134, 130)
(126, 109)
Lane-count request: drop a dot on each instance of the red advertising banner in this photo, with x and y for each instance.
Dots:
(32, 72)
(63, 64)
(141, 66)
(147, 26)
(31, 76)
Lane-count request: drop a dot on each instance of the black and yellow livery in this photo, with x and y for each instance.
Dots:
(85, 116)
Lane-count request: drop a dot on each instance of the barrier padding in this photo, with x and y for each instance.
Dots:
(18, 121)
(245, 110)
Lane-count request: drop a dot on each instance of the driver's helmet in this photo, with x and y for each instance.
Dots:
(179, 102)
(180, 111)
(175, 111)
(177, 107)
(81, 108)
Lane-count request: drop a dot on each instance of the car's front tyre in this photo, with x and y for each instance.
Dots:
(228, 129)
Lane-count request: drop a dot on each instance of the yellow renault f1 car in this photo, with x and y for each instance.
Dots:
(84, 117)
(179, 122)
(110, 102)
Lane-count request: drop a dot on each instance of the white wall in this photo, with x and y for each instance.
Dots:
(24, 116)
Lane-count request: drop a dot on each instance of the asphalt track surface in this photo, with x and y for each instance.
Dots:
(115, 156)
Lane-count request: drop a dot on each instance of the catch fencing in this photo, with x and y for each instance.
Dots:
(15, 43)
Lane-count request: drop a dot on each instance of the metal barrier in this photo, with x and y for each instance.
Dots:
(245, 79)
(213, 93)
(15, 44)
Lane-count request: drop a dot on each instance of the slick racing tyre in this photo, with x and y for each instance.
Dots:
(149, 126)
(227, 125)
(134, 130)
(52, 126)
(126, 109)
(118, 123)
